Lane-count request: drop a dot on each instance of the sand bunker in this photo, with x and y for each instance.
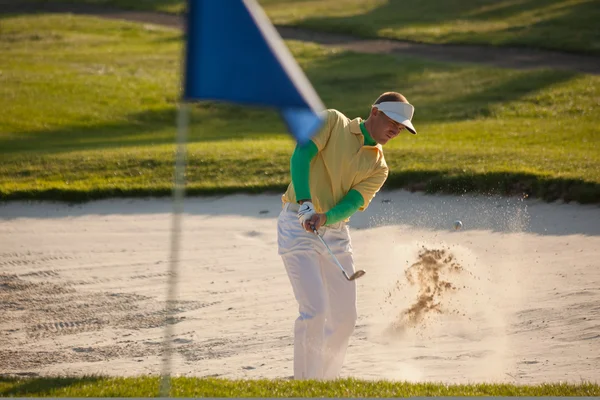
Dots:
(513, 297)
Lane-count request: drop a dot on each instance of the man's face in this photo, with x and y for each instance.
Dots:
(384, 128)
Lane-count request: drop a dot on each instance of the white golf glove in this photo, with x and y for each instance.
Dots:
(307, 210)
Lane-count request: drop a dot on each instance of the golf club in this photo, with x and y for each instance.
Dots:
(352, 277)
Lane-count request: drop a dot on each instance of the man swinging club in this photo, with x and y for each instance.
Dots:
(336, 174)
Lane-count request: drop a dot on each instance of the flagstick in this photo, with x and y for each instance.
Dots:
(183, 117)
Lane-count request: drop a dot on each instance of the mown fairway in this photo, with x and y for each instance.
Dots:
(89, 111)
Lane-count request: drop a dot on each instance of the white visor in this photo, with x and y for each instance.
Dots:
(399, 112)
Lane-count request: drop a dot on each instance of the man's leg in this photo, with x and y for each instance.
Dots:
(341, 297)
(303, 265)
(304, 271)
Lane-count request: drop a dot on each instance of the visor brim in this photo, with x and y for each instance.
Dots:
(401, 120)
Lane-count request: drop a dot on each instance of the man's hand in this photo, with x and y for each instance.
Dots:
(315, 222)
(305, 213)
(308, 217)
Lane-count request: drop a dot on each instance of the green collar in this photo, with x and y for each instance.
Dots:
(368, 139)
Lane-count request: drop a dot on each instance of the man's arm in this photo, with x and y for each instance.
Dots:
(349, 204)
(300, 170)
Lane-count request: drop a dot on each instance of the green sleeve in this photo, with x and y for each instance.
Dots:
(351, 202)
(300, 169)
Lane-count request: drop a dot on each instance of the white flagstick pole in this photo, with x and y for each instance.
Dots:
(183, 117)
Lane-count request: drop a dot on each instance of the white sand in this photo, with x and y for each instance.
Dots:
(82, 289)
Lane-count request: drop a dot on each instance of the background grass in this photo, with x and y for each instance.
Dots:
(89, 112)
(209, 387)
(567, 25)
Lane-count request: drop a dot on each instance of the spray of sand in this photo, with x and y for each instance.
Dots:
(431, 276)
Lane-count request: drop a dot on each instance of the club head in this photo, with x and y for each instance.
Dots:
(356, 275)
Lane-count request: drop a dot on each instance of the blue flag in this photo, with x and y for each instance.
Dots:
(235, 54)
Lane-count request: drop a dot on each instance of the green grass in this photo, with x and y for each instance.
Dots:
(88, 111)
(568, 25)
(209, 387)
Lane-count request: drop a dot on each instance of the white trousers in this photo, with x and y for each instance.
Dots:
(326, 300)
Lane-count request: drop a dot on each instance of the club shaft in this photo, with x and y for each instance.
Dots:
(332, 255)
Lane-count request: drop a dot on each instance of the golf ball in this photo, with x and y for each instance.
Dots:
(457, 225)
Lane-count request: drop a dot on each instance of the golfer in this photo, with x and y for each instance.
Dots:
(336, 174)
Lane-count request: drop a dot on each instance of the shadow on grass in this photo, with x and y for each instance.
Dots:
(343, 81)
(481, 104)
(496, 183)
(36, 387)
(209, 123)
(100, 7)
(552, 18)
